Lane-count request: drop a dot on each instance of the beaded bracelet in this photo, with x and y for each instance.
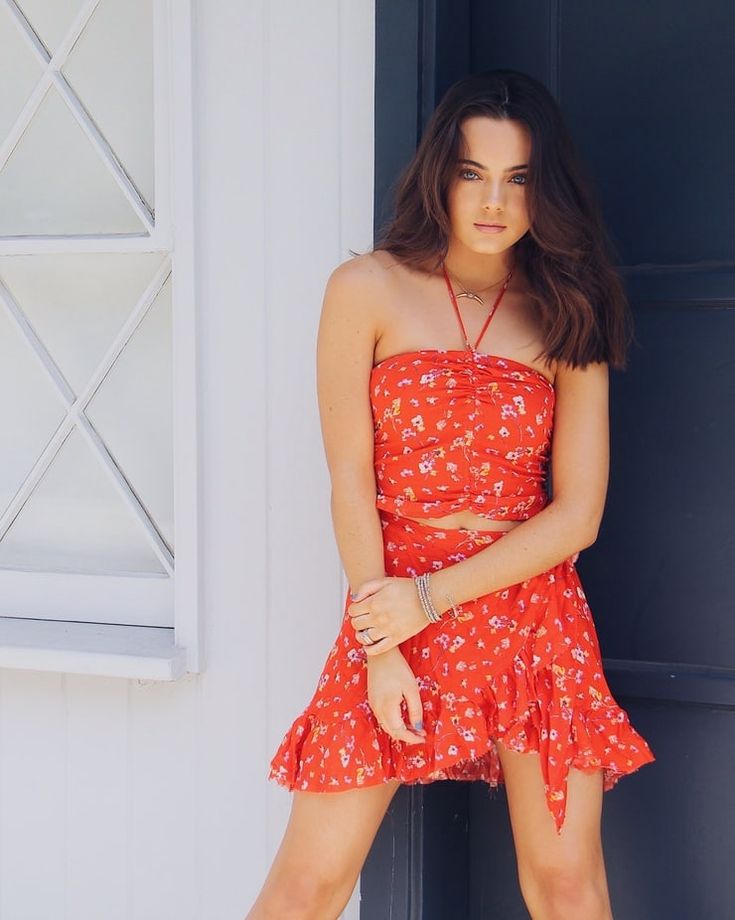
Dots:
(432, 614)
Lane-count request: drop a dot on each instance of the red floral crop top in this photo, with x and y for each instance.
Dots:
(460, 429)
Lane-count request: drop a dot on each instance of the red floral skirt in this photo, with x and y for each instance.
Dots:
(521, 665)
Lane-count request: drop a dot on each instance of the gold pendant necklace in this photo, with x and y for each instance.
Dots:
(474, 295)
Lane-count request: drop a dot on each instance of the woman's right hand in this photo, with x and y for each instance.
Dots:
(391, 680)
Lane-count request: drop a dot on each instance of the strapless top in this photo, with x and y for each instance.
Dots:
(458, 429)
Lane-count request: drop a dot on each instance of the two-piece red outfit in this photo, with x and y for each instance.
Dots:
(465, 430)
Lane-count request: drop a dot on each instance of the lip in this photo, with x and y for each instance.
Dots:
(490, 228)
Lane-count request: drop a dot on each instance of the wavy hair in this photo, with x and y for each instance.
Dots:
(567, 254)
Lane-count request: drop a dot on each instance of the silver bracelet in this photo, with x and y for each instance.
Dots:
(432, 614)
(422, 585)
(453, 606)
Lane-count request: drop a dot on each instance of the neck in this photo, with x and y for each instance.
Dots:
(477, 270)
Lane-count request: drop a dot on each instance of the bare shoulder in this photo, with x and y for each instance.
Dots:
(363, 276)
(356, 293)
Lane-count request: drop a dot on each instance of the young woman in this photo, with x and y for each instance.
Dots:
(461, 363)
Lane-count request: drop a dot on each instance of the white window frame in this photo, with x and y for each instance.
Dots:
(113, 649)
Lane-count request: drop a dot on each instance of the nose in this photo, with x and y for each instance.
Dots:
(494, 195)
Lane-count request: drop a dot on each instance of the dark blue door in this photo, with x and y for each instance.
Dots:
(647, 89)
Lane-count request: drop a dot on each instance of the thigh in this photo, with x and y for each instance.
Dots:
(537, 844)
(329, 834)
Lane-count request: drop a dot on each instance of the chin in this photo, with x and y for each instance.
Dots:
(491, 245)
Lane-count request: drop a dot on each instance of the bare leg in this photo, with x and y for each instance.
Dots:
(326, 842)
(560, 876)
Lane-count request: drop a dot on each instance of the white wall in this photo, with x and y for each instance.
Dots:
(122, 799)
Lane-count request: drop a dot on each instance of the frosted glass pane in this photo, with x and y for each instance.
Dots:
(133, 413)
(19, 73)
(77, 303)
(50, 19)
(30, 411)
(75, 521)
(55, 182)
(111, 70)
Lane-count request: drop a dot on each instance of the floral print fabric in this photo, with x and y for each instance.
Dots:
(521, 665)
(461, 430)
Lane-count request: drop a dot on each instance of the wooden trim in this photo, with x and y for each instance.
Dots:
(674, 682)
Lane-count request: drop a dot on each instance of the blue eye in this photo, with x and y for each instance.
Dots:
(466, 173)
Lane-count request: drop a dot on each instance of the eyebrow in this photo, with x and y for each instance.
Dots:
(509, 169)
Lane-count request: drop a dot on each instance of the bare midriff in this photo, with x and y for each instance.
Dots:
(466, 520)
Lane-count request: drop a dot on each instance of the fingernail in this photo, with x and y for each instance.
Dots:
(353, 595)
(418, 726)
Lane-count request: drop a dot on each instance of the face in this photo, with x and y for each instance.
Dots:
(491, 187)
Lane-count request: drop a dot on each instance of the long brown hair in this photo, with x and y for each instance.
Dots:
(567, 254)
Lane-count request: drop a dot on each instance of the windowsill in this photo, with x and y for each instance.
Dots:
(91, 648)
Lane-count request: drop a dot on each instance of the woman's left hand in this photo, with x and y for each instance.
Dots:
(391, 606)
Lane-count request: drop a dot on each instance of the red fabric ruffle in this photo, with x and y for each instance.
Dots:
(521, 665)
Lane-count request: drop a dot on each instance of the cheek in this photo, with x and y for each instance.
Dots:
(517, 211)
(460, 201)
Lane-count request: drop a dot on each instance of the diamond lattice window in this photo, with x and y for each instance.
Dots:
(87, 300)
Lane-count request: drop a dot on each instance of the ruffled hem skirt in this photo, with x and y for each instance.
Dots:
(521, 665)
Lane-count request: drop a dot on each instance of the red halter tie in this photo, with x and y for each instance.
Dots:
(490, 315)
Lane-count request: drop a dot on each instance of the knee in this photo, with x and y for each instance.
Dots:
(305, 895)
(569, 889)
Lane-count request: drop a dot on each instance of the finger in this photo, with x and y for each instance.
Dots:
(401, 733)
(363, 590)
(365, 640)
(365, 616)
(367, 634)
(415, 712)
(382, 645)
(398, 729)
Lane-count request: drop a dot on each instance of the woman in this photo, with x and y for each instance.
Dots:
(458, 364)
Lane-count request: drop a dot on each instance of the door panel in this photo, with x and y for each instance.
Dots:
(646, 90)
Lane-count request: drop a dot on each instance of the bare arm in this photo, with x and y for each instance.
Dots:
(345, 346)
(580, 458)
(348, 331)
